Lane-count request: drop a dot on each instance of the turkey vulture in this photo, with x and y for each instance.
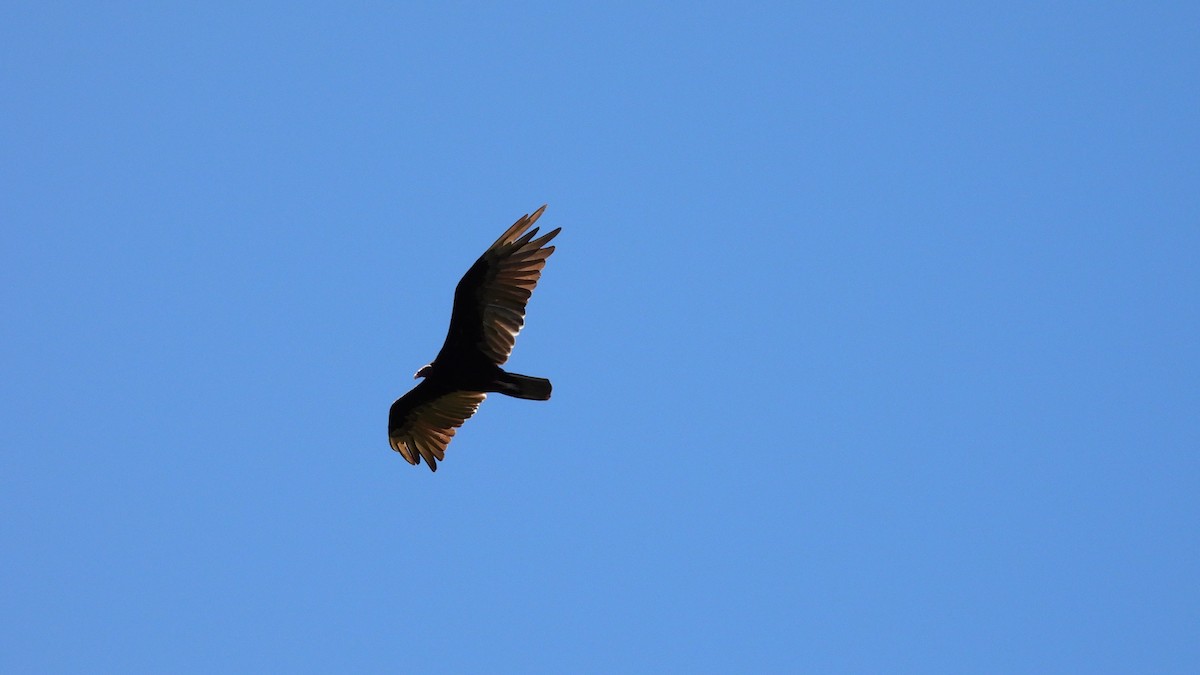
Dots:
(489, 311)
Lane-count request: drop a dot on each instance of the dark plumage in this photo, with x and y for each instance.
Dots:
(489, 311)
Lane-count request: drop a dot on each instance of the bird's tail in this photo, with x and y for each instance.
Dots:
(524, 386)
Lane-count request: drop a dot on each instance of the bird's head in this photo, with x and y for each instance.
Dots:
(425, 370)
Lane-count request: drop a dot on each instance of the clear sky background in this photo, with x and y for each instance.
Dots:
(873, 330)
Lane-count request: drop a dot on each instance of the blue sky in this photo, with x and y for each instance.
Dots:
(872, 328)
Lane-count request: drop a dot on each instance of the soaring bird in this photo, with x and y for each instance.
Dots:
(489, 311)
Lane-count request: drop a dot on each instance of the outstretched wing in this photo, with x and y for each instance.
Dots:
(489, 303)
(422, 422)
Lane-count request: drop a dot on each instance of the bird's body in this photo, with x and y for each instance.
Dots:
(489, 311)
